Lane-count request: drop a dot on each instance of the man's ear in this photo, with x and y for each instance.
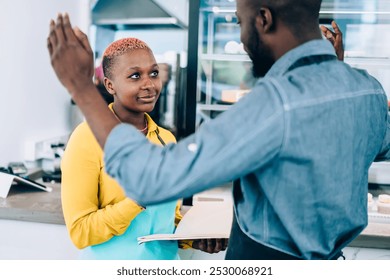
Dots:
(108, 85)
(264, 20)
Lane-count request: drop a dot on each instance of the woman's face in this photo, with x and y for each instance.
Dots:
(135, 82)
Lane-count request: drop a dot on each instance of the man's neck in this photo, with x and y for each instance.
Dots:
(287, 41)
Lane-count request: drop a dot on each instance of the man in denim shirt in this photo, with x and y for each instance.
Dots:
(299, 145)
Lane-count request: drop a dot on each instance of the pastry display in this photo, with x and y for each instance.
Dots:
(383, 204)
(370, 202)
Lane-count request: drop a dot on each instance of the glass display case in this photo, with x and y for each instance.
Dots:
(224, 69)
(366, 32)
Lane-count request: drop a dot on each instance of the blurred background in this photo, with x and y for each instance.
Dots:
(196, 43)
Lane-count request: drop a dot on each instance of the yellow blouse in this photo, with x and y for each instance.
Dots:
(95, 206)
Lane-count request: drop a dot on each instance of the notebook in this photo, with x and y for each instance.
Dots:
(205, 220)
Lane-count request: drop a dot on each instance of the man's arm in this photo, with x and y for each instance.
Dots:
(72, 60)
(237, 142)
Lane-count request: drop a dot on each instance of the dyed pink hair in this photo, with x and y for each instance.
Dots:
(99, 72)
(118, 48)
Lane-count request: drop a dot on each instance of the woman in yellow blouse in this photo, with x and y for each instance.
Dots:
(100, 219)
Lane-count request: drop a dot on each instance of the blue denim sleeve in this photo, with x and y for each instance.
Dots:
(385, 151)
(237, 142)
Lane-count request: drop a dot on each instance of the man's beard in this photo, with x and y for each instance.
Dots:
(259, 54)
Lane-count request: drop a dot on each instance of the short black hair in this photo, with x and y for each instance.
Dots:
(296, 14)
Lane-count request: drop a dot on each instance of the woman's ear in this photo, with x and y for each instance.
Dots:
(264, 20)
(109, 85)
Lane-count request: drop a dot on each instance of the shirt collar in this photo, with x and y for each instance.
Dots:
(152, 126)
(311, 48)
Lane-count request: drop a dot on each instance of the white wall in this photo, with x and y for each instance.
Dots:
(33, 104)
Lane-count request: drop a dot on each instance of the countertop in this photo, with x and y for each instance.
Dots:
(375, 235)
(25, 203)
(32, 205)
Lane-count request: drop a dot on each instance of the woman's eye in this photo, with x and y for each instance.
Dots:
(154, 74)
(135, 76)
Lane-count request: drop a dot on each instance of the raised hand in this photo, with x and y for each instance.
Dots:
(71, 55)
(336, 38)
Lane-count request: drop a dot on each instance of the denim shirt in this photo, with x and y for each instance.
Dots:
(301, 143)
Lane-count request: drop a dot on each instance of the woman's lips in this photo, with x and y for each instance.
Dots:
(147, 98)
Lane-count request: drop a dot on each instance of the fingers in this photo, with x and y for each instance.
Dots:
(210, 246)
(337, 41)
(59, 31)
(218, 245)
(336, 28)
(49, 46)
(225, 244)
(338, 35)
(52, 39)
(202, 244)
(67, 28)
(324, 29)
(328, 34)
(83, 39)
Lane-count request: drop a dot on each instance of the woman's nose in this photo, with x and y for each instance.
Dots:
(148, 83)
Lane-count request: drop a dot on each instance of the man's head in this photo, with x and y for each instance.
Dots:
(270, 28)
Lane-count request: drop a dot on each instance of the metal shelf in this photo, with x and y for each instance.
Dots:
(225, 57)
(368, 61)
(213, 107)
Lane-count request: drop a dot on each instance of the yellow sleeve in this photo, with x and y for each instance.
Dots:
(87, 223)
(183, 244)
(178, 215)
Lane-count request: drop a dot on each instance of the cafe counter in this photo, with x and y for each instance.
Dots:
(33, 227)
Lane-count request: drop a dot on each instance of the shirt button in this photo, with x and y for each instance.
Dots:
(192, 147)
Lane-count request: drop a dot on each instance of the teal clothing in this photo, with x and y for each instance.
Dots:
(154, 219)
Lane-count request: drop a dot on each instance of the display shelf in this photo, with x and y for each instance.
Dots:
(213, 107)
(379, 173)
(224, 65)
(226, 57)
(368, 61)
(378, 218)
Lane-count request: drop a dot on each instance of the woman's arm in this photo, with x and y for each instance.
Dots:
(88, 223)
